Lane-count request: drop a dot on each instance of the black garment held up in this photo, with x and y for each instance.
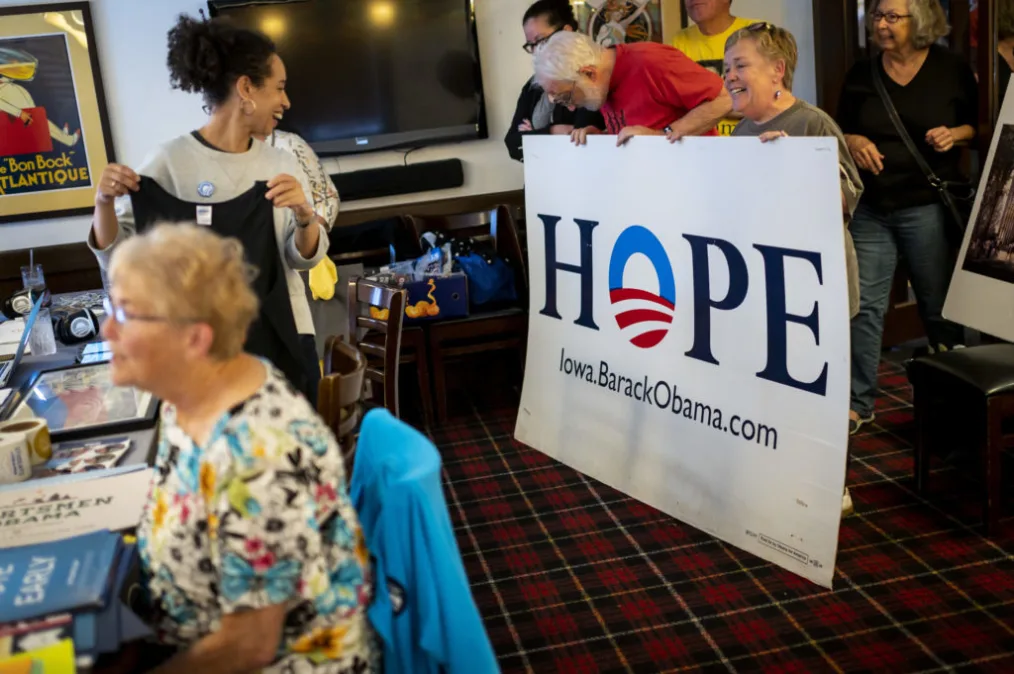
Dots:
(248, 217)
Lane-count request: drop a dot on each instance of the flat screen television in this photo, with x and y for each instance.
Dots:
(367, 75)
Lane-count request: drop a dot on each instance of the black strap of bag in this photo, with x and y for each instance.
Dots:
(943, 187)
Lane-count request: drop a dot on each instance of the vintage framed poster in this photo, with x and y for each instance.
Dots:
(613, 22)
(81, 401)
(54, 129)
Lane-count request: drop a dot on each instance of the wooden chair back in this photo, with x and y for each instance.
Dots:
(377, 334)
(340, 393)
(496, 225)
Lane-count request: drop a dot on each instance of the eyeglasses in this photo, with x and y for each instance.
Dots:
(760, 25)
(890, 17)
(564, 98)
(119, 316)
(530, 47)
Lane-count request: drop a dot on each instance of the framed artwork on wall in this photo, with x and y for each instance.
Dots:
(612, 22)
(54, 128)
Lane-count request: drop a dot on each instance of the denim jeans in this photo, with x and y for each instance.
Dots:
(918, 234)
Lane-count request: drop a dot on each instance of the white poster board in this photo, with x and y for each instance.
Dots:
(659, 337)
(981, 294)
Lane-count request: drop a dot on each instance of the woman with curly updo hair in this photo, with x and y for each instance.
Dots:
(219, 176)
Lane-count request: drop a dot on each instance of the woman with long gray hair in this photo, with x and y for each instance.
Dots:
(934, 94)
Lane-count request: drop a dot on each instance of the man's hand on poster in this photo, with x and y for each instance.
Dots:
(628, 132)
(26, 118)
(580, 136)
(768, 136)
(116, 180)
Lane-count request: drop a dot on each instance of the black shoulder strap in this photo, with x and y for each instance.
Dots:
(878, 84)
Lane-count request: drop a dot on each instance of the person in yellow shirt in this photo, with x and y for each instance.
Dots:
(704, 41)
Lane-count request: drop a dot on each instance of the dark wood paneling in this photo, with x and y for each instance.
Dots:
(453, 206)
(68, 268)
(836, 39)
(960, 39)
(985, 65)
(72, 267)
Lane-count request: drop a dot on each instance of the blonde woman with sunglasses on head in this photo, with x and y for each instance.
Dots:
(760, 61)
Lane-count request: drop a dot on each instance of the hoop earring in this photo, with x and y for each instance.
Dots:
(253, 107)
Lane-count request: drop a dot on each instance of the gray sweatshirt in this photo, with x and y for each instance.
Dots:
(184, 163)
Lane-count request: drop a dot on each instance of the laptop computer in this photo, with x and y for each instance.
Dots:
(8, 367)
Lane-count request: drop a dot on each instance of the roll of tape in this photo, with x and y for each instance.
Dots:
(15, 466)
(35, 433)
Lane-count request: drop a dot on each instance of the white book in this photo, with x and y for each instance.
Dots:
(47, 511)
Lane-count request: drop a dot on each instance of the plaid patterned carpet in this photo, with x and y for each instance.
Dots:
(572, 576)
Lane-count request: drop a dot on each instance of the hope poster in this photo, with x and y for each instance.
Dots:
(689, 333)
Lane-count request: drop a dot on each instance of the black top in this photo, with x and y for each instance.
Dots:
(942, 93)
(204, 141)
(529, 98)
(250, 218)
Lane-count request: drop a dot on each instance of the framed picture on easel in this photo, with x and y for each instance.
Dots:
(54, 129)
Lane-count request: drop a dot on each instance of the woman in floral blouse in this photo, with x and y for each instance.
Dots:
(251, 551)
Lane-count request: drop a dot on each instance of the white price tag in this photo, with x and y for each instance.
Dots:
(204, 215)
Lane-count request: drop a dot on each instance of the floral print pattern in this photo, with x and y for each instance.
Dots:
(325, 196)
(259, 516)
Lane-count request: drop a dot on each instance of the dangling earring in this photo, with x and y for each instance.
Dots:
(253, 107)
(778, 94)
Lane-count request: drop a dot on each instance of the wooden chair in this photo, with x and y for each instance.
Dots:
(340, 393)
(966, 393)
(482, 331)
(377, 334)
(379, 243)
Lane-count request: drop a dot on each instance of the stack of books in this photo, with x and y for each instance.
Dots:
(60, 603)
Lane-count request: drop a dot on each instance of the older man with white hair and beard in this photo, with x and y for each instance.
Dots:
(642, 89)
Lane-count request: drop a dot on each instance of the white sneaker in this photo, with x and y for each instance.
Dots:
(846, 504)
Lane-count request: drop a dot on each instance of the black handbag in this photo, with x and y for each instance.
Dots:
(957, 196)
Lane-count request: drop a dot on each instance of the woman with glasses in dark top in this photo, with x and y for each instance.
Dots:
(535, 114)
(935, 95)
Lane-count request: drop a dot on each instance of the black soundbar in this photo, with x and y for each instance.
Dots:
(391, 180)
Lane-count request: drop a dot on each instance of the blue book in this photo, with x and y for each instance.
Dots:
(107, 621)
(66, 575)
